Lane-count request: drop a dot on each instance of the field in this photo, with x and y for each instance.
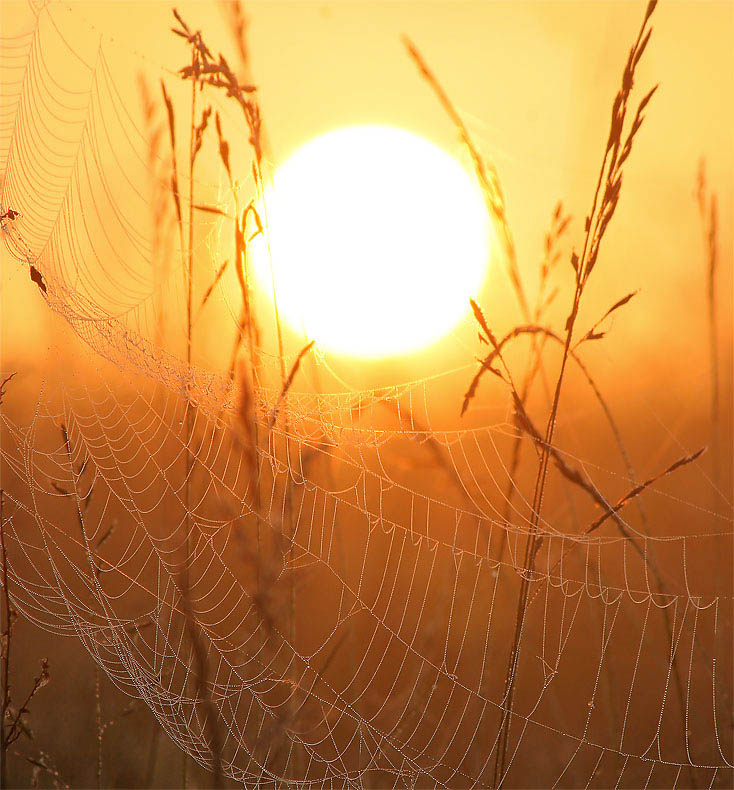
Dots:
(239, 551)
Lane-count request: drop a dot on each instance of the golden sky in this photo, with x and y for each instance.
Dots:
(534, 82)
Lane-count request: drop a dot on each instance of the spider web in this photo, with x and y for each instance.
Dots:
(351, 618)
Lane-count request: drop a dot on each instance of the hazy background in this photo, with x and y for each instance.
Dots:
(534, 82)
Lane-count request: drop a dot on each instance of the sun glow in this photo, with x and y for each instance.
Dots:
(378, 238)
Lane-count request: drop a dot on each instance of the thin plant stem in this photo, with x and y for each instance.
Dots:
(596, 223)
(7, 639)
(486, 175)
(98, 718)
(708, 208)
(189, 341)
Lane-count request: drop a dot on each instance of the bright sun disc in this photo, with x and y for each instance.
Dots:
(378, 239)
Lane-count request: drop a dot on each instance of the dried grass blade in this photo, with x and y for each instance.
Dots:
(210, 289)
(592, 334)
(287, 383)
(4, 383)
(172, 133)
(486, 363)
(211, 210)
(486, 175)
(482, 321)
(637, 490)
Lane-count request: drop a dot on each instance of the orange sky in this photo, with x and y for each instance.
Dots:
(534, 82)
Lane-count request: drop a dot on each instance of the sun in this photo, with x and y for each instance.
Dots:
(376, 240)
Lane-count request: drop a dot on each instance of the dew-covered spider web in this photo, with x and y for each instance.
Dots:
(327, 599)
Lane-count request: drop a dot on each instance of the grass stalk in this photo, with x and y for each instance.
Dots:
(708, 208)
(203, 692)
(486, 175)
(602, 209)
(188, 266)
(98, 723)
(559, 225)
(189, 461)
(205, 70)
(7, 639)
